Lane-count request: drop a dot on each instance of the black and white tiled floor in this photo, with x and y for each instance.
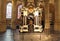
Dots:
(10, 35)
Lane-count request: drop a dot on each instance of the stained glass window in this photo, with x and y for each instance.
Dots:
(19, 11)
(9, 11)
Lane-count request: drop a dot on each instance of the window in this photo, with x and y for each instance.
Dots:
(9, 11)
(19, 11)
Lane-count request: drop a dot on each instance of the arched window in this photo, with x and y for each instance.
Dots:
(9, 11)
(19, 12)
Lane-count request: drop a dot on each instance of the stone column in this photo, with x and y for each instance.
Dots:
(0, 10)
(0, 15)
(57, 15)
(3, 16)
(47, 23)
(51, 15)
(14, 13)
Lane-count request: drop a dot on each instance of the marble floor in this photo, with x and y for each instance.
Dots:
(11, 35)
(7, 36)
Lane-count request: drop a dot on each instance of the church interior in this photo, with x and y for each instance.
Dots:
(29, 20)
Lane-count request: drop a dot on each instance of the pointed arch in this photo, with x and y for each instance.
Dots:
(9, 10)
